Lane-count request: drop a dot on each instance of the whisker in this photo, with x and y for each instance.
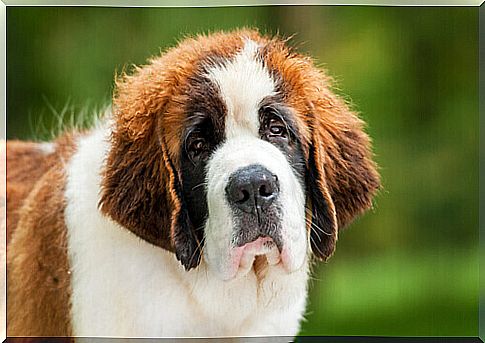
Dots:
(199, 247)
(318, 228)
(197, 276)
(315, 245)
(199, 185)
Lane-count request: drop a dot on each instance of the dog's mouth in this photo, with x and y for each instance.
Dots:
(258, 255)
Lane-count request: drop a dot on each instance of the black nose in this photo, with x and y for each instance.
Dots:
(252, 189)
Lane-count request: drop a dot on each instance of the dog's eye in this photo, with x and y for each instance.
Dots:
(277, 130)
(197, 148)
(275, 127)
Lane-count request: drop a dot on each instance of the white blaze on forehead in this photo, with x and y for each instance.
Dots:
(243, 83)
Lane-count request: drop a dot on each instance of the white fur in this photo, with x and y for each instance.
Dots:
(123, 286)
(244, 83)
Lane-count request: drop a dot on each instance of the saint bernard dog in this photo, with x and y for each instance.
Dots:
(195, 207)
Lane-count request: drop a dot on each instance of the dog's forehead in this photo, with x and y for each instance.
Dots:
(227, 78)
(243, 83)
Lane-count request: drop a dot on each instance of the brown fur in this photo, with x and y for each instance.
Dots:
(26, 163)
(38, 287)
(260, 266)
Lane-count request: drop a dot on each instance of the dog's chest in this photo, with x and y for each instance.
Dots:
(123, 286)
(140, 297)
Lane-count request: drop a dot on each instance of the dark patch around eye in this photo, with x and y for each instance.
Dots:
(199, 141)
(289, 144)
(205, 114)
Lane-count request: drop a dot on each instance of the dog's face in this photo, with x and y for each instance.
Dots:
(243, 167)
(232, 146)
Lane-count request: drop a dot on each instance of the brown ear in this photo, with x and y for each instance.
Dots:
(342, 177)
(141, 186)
(324, 227)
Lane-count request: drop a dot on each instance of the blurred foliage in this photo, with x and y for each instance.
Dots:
(410, 266)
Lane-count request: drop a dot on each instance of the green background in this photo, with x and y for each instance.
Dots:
(408, 267)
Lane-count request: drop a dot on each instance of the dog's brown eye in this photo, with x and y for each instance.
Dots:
(197, 146)
(198, 149)
(276, 128)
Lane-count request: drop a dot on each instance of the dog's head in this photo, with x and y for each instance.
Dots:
(231, 146)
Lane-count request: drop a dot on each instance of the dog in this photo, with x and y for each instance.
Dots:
(196, 206)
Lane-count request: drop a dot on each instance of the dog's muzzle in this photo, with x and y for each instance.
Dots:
(252, 193)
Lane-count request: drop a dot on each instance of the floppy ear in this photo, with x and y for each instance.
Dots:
(324, 226)
(141, 187)
(342, 177)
